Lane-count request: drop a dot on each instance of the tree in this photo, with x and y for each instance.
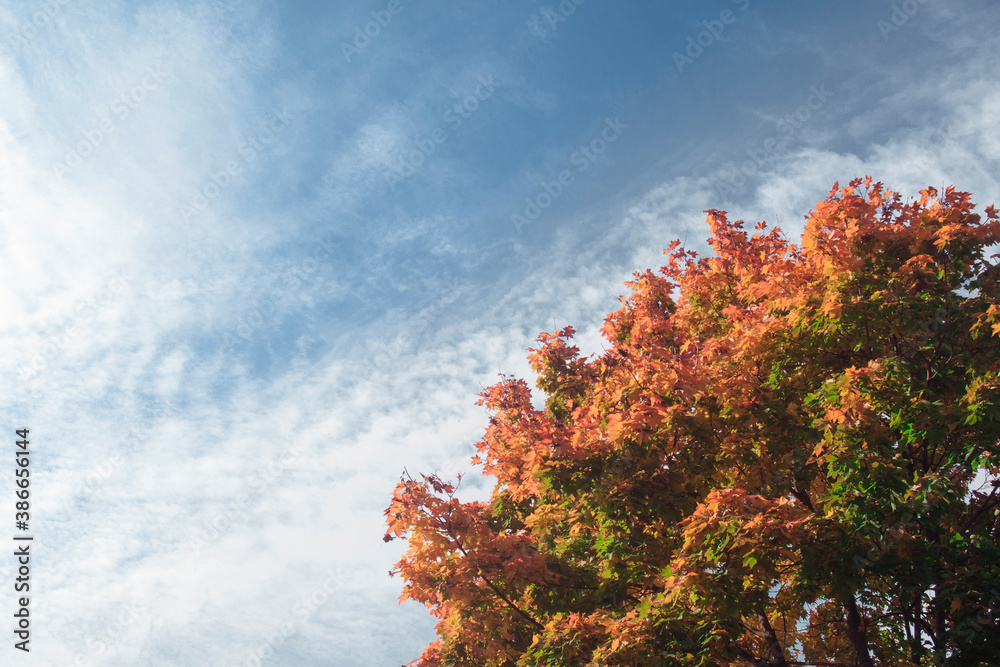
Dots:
(788, 456)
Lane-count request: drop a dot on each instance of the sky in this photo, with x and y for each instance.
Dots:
(256, 259)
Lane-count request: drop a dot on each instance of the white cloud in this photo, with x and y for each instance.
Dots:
(150, 433)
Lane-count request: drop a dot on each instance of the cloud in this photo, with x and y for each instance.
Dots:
(193, 489)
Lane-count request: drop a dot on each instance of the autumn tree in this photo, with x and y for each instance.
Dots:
(787, 455)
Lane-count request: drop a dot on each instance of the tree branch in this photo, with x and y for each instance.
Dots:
(489, 583)
(856, 633)
(776, 656)
(803, 498)
(771, 637)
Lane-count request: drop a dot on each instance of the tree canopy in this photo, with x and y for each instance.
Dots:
(787, 455)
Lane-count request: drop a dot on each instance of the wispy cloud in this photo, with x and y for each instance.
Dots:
(229, 333)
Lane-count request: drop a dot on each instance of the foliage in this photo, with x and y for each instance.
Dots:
(787, 456)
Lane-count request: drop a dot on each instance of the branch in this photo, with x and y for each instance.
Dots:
(856, 633)
(751, 658)
(771, 637)
(489, 583)
(767, 633)
(803, 498)
(988, 502)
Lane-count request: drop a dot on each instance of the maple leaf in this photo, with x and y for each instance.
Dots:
(777, 453)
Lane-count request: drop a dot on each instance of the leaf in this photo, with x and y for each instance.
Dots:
(769, 436)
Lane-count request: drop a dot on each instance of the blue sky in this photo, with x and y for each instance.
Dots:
(253, 264)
